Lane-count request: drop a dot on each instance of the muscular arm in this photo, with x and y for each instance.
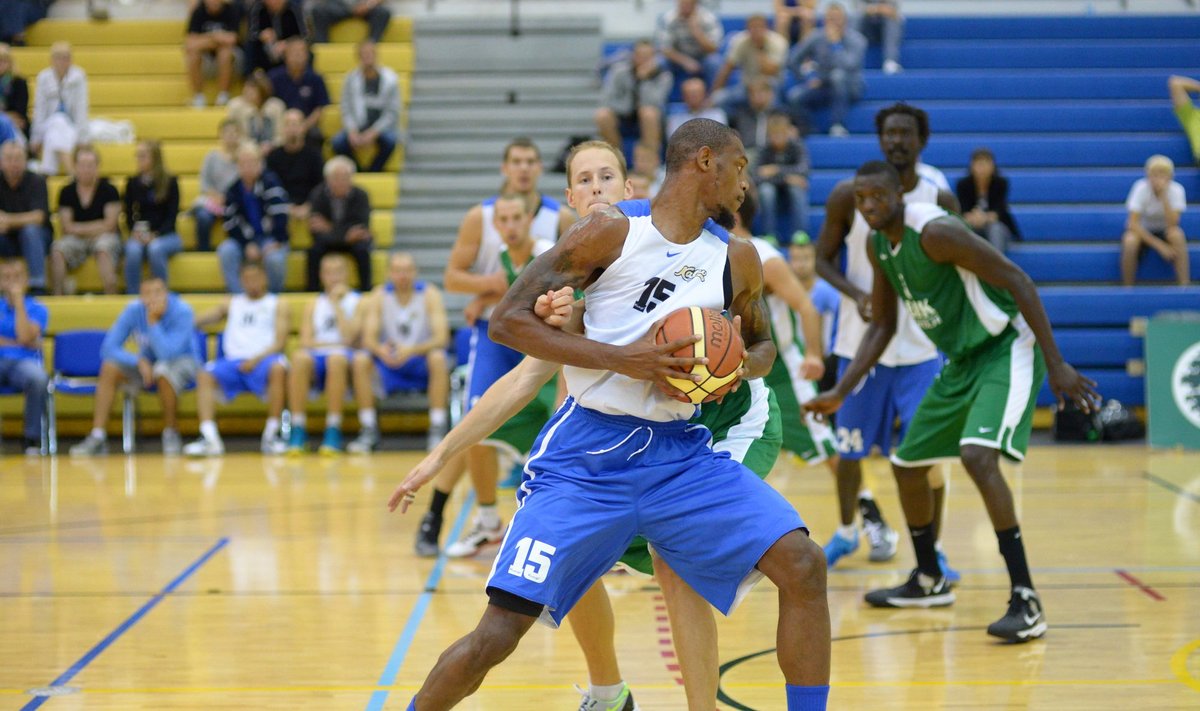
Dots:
(458, 278)
(438, 328)
(782, 282)
(748, 303)
(949, 201)
(879, 334)
(839, 218)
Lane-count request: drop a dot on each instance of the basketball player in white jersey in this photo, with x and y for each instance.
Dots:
(329, 333)
(896, 385)
(404, 349)
(474, 268)
(252, 360)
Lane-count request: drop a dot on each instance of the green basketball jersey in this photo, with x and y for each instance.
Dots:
(953, 306)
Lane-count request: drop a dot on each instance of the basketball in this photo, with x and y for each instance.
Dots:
(721, 344)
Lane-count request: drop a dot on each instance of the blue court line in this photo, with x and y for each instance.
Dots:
(121, 629)
(1170, 486)
(379, 698)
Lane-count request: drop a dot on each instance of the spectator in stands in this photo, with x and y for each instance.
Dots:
(151, 206)
(689, 37)
(828, 65)
(1155, 203)
(217, 173)
(881, 23)
(634, 98)
(272, 24)
(404, 349)
(781, 175)
(258, 113)
(327, 13)
(299, 87)
(212, 30)
(1186, 111)
(696, 104)
(297, 164)
(750, 121)
(23, 320)
(164, 328)
(18, 15)
(60, 114)
(983, 194)
(255, 335)
(340, 221)
(794, 19)
(370, 110)
(24, 214)
(647, 163)
(759, 53)
(14, 92)
(89, 213)
(256, 223)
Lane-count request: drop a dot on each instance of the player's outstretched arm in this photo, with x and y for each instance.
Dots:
(748, 304)
(782, 282)
(949, 242)
(839, 218)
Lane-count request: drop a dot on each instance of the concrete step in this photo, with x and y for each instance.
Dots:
(459, 200)
(449, 147)
(477, 116)
(425, 221)
(486, 99)
(426, 185)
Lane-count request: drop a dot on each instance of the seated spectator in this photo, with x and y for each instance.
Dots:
(301, 88)
(89, 213)
(781, 175)
(255, 335)
(758, 53)
(696, 104)
(689, 38)
(405, 333)
(256, 223)
(647, 163)
(164, 328)
(340, 220)
(272, 24)
(1186, 111)
(750, 121)
(23, 320)
(24, 214)
(60, 113)
(370, 110)
(9, 131)
(1155, 203)
(212, 30)
(14, 92)
(217, 173)
(259, 115)
(983, 195)
(18, 15)
(298, 165)
(634, 98)
(794, 19)
(881, 23)
(828, 65)
(151, 206)
(327, 13)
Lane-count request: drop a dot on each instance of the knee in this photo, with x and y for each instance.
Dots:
(36, 380)
(158, 250)
(336, 361)
(302, 360)
(1175, 235)
(649, 114)
(488, 648)
(803, 562)
(436, 358)
(980, 462)
(604, 116)
(362, 360)
(1130, 240)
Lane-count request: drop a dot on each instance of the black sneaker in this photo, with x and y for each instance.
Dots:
(1025, 619)
(427, 536)
(870, 511)
(920, 590)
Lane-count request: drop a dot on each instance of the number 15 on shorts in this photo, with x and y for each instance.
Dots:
(533, 560)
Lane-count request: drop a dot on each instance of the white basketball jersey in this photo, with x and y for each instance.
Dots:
(325, 328)
(249, 326)
(651, 278)
(543, 227)
(405, 324)
(781, 322)
(910, 345)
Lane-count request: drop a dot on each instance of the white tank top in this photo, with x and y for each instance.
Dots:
(651, 278)
(781, 312)
(325, 329)
(487, 259)
(405, 324)
(249, 326)
(910, 345)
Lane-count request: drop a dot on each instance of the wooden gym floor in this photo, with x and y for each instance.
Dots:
(254, 583)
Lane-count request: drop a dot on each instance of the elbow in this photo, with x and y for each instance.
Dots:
(501, 328)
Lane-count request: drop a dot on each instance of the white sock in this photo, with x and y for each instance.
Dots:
(488, 516)
(848, 533)
(208, 430)
(98, 433)
(299, 419)
(366, 419)
(606, 693)
(438, 417)
(333, 419)
(271, 428)
(866, 494)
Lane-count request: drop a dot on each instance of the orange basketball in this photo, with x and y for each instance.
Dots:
(721, 344)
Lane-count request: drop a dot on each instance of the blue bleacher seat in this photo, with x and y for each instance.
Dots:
(1113, 306)
(1012, 116)
(1039, 54)
(1059, 262)
(920, 85)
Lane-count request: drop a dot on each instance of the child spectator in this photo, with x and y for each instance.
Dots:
(89, 213)
(983, 195)
(1155, 203)
(258, 113)
(781, 175)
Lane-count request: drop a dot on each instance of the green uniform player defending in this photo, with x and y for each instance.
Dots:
(984, 313)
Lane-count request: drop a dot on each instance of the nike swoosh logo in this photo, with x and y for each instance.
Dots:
(673, 254)
(985, 430)
(1029, 620)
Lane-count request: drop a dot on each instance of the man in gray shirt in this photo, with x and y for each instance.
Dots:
(370, 109)
(634, 97)
(689, 37)
(829, 65)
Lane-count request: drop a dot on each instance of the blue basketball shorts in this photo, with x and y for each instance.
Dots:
(489, 361)
(870, 411)
(233, 381)
(413, 375)
(321, 363)
(595, 481)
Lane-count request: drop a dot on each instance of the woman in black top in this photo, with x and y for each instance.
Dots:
(151, 206)
(14, 92)
(983, 194)
(89, 209)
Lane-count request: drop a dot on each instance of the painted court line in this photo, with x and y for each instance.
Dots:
(121, 629)
(1171, 487)
(379, 697)
(1124, 575)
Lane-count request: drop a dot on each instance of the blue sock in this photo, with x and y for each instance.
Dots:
(805, 698)
(412, 705)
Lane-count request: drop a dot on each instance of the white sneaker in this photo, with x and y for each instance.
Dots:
(199, 102)
(172, 443)
(837, 130)
(273, 445)
(892, 67)
(475, 539)
(90, 446)
(203, 448)
(623, 702)
(366, 441)
(222, 98)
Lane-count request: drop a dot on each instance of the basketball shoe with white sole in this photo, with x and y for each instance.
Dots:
(1025, 619)
(920, 590)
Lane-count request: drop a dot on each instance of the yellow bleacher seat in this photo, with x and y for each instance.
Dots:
(382, 227)
(184, 158)
(170, 32)
(400, 29)
(114, 95)
(341, 58)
